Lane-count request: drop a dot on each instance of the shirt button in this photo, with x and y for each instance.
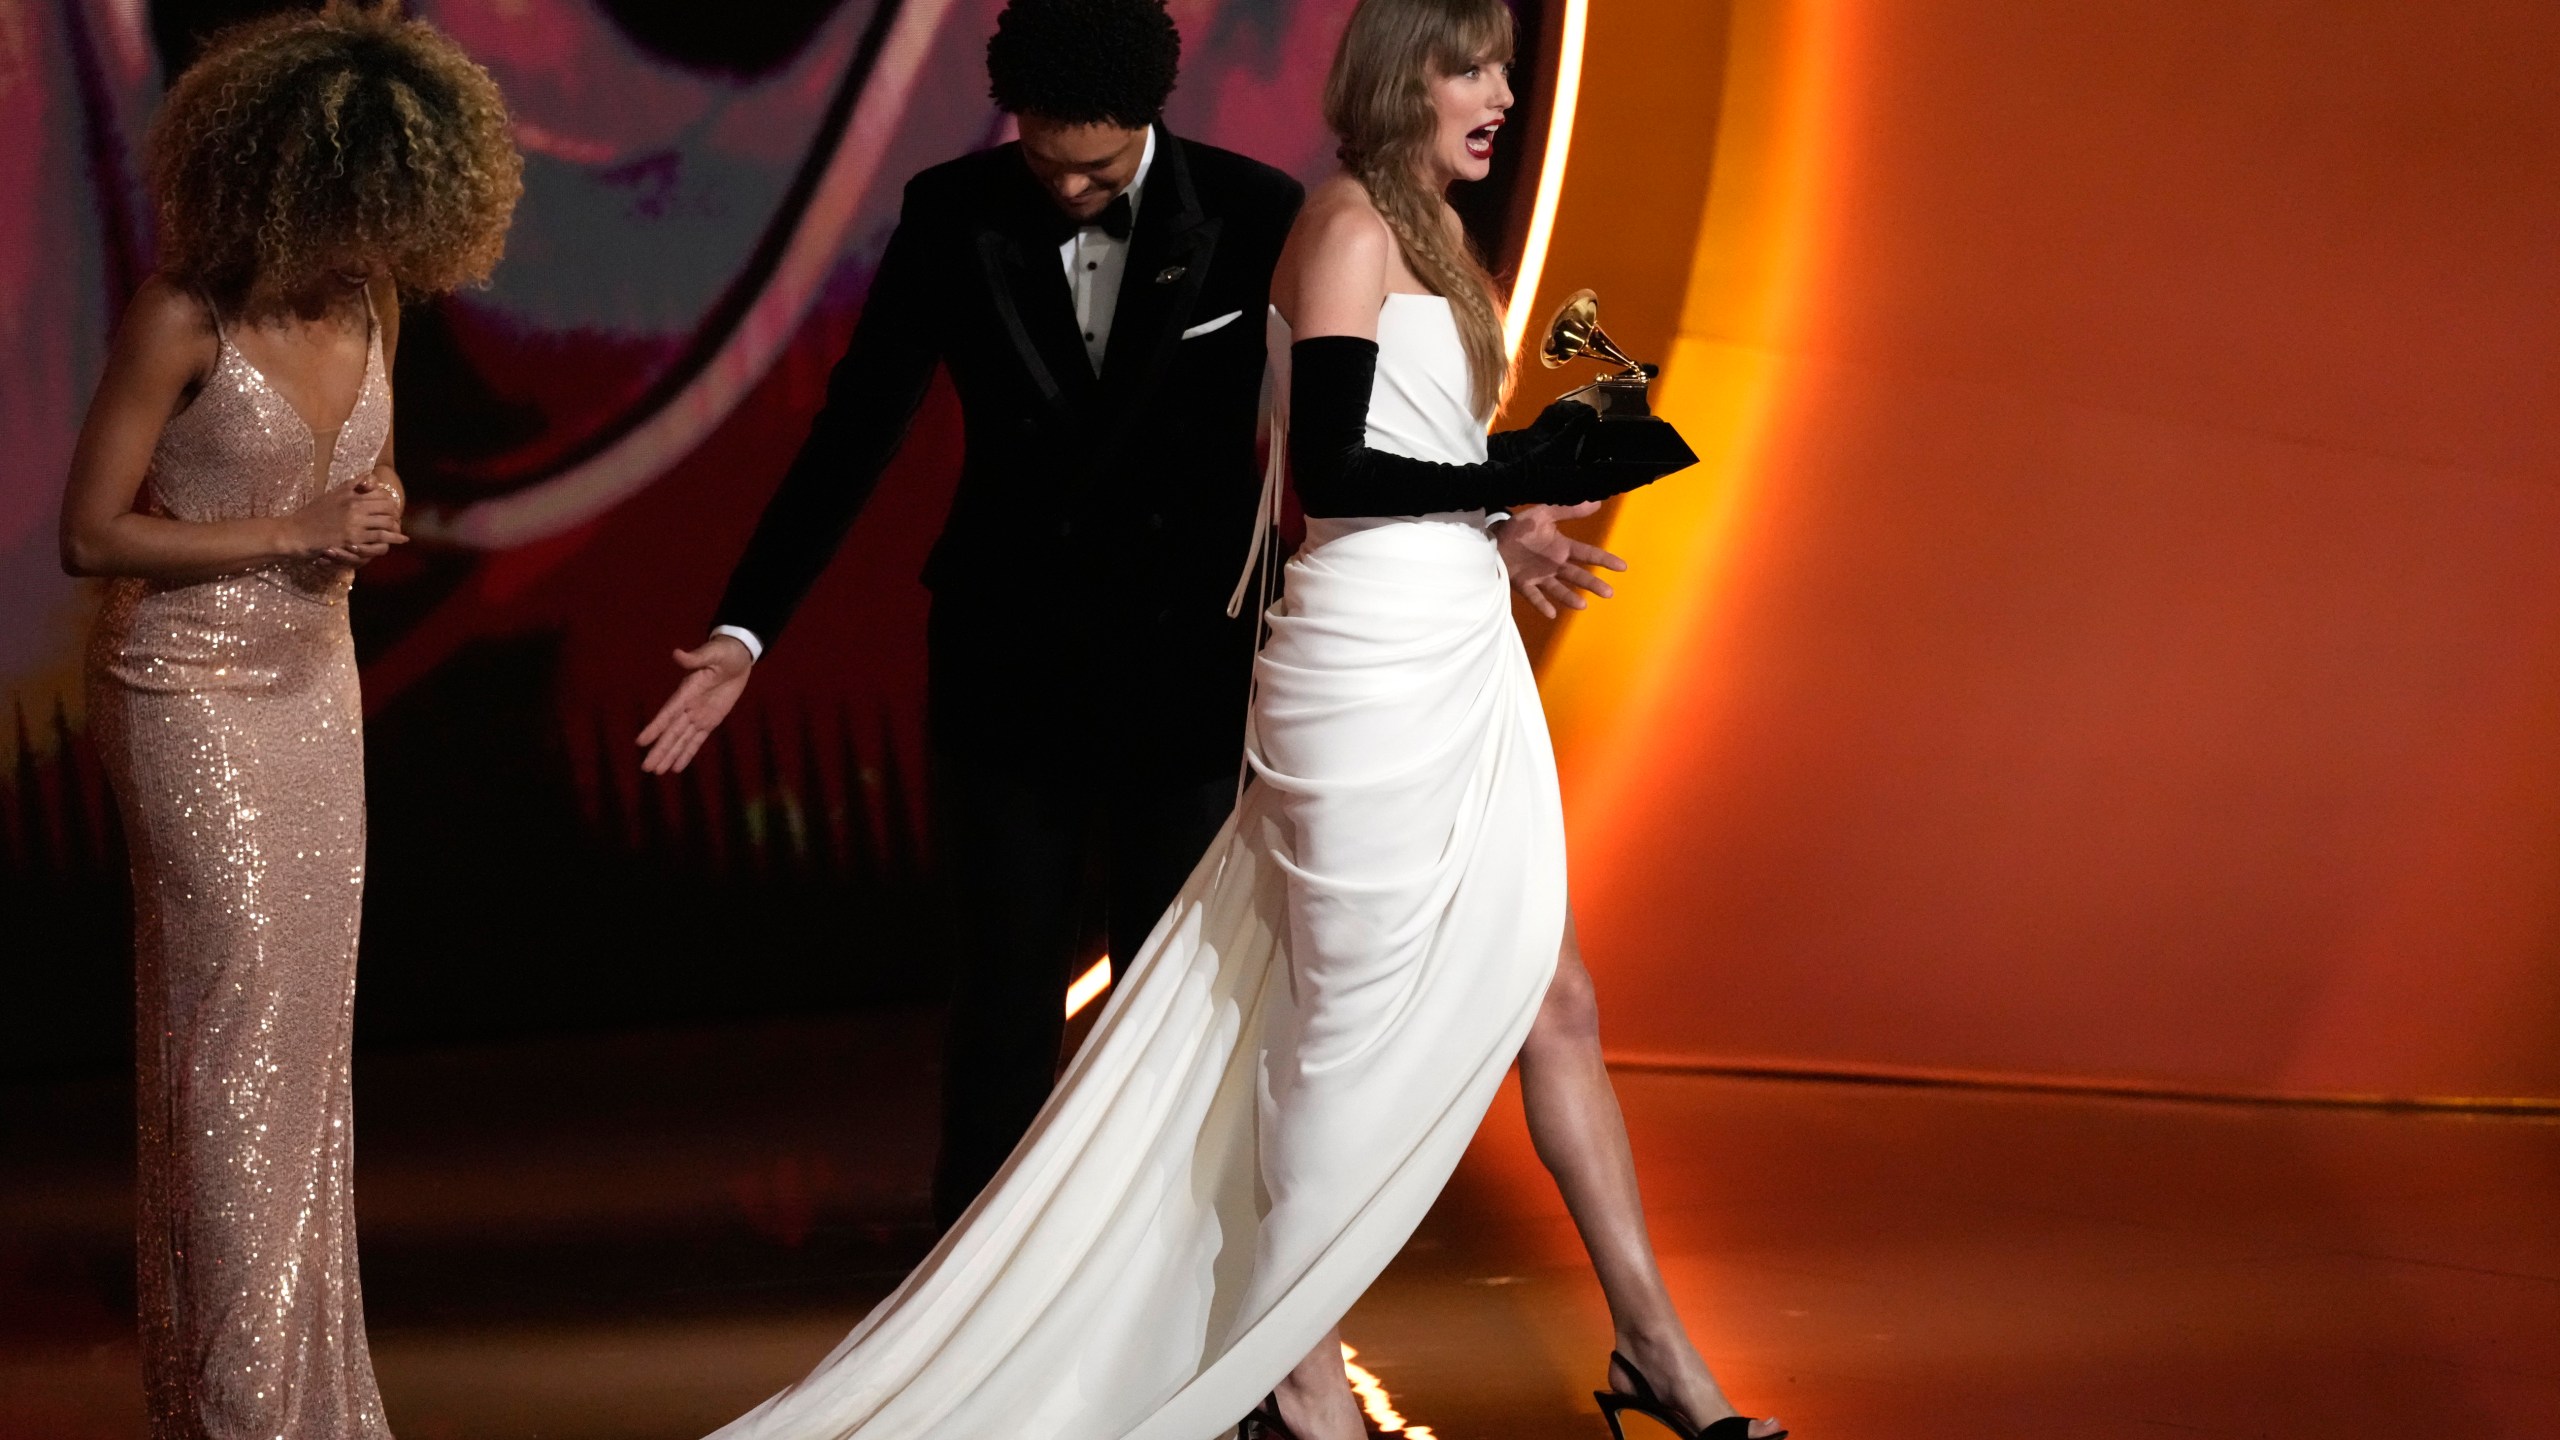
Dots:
(1093, 264)
(1088, 334)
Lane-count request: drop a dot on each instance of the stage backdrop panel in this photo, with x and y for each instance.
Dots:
(588, 442)
(2117, 632)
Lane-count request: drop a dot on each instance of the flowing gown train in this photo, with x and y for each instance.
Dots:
(1292, 1065)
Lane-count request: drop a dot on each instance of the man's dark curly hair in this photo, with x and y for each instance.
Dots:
(1081, 62)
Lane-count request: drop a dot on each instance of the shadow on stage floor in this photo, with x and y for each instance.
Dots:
(642, 1235)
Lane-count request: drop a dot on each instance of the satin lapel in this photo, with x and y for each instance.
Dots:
(1169, 256)
(1039, 316)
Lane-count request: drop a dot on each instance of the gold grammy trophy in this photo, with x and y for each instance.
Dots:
(1632, 439)
(1575, 333)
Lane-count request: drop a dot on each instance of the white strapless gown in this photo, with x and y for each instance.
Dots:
(1292, 1065)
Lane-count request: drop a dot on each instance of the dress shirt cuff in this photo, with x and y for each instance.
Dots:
(744, 636)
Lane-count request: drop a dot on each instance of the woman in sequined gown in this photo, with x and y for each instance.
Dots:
(234, 471)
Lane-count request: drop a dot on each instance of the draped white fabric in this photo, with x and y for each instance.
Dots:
(1293, 1064)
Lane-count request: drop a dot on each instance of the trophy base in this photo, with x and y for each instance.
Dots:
(1618, 397)
(1637, 450)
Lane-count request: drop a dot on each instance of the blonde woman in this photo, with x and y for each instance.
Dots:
(234, 470)
(1397, 363)
(1301, 1050)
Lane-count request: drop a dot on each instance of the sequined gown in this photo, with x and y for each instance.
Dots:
(228, 717)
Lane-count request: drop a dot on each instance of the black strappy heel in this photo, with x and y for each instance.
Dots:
(1263, 1421)
(1646, 1402)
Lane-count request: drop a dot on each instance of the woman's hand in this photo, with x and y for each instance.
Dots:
(351, 524)
(387, 480)
(1549, 567)
(1564, 416)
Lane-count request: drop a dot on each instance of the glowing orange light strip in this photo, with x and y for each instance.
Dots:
(1613, 691)
(1377, 1404)
(1542, 214)
(1089, 986)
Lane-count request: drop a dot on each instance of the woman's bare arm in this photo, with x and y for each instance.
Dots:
(164, 347)
(1332, 278)
(386, 474)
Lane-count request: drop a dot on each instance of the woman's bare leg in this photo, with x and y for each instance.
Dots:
(1315, 1398)
(1582, 1139)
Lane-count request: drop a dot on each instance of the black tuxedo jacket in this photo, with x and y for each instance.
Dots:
(1080, 583)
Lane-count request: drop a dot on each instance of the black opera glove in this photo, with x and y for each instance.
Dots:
(1560, 417)
(1339, 475)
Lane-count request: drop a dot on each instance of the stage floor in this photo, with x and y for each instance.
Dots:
(643, 1235)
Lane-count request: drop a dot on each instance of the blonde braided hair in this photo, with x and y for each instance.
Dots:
(1377, 101)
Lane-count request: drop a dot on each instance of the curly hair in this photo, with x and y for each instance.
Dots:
(304, 138)
(1082, 62)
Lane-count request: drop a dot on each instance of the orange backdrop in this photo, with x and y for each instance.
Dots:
(2116, 630)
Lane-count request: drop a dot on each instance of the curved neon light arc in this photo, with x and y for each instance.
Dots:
(658, 443)
(1542, 212)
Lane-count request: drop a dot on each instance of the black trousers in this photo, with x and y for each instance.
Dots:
(1024, 852)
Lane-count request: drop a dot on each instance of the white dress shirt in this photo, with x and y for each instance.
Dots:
(1094, 262)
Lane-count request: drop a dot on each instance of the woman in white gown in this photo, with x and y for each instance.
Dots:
(1290, 1068)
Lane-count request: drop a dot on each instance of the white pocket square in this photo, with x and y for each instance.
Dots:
(1205, 326)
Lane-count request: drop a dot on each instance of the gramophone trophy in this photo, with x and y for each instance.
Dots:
(1631, 438)
(1575, 333)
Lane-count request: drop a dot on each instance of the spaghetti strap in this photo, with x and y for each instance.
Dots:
(1262, 556)
(1262, 553)
(221, 337)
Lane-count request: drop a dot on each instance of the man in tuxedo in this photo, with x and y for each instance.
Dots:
(1097, 292)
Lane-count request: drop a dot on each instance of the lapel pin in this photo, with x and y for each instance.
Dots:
(1170, 273)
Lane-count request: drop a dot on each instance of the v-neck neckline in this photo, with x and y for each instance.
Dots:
(364, 383)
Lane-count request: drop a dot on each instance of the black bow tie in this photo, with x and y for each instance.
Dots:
(1115, 220)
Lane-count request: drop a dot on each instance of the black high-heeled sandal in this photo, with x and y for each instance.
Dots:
(1650, 1404)
(1263, 1421)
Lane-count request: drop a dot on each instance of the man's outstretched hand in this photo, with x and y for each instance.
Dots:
(1548, 567)
(715, 676)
